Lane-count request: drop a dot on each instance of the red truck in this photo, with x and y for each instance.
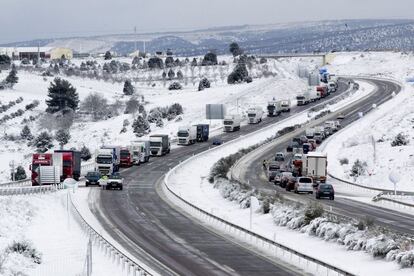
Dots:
(323, 90)
(68, 162)
(39, 159)
(126, 157)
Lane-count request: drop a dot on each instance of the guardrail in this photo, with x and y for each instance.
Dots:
(127, 264)
(30, 190)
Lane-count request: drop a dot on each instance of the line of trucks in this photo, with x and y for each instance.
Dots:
(316, 93)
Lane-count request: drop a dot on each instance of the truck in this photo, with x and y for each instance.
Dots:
(160, 144)
(309, 133)
(69, 162)
(125, 157)
(187, 135)
(203, 131)
(108, 159)
(315, 164)
(323, 90)
(39, 160)
(255, 115)
(332, 87)
(273, 108)
(231, 123)
(285, 105)
(303, 99)
(319, 134)
(141, 151)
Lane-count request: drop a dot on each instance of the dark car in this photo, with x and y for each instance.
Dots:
(297, 140)
(286, 179)
(217, 142)
(303, 139)
(292, 145)
(92, 178)
(325, 190)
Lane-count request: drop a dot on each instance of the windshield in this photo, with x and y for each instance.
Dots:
(104, 160)
(228, 123)
(93, 174)
(300, 97)
(124, 153)
(305, 180)
(325, 187)
(271, 107)
(115, 176)
(251, 115)
(155, 144)
(182, 134)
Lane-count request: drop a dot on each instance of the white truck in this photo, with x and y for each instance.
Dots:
(106, 161)
(332, 87)
(273, 108)
(309, 133)
(160, 144)
(255, 115)
(141, 151)
(187, 135)
(314, 94)
(303, 99)
(285, 105)
(231, 123)
(315, 165)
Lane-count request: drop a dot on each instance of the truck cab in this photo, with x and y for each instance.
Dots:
(273, 108)
(255, 115)
(187, 135)
(285, 105)
(159, 144)
(203, 131)
(70, 163)
(303, 99)
(105, 162)
(231, 123)
(126, 157)
(141, 152)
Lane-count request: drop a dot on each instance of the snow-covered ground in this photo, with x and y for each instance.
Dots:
(32, 86)
(382, 126)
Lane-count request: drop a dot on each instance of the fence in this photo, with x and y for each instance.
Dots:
(127, 264)
(30, 190)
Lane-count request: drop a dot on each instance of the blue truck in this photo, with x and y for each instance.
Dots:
(203, 131)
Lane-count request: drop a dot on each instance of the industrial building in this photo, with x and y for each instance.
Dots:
(34, 52)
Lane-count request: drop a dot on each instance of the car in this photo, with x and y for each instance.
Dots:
(280, 157)
(92, 178)
(277, 177)
(340, 116)
(272, 170)
(292, 146)
(325, 190)
(337, 124)
(304, 185)
(306, 147)
(297, 140)
(285, 179)
(303, 139)
(114, 181)
(217, 141)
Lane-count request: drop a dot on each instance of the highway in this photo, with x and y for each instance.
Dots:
(253, 172)
(165, 239)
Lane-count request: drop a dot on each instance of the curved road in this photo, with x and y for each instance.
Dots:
(165, 239)
(401, 222)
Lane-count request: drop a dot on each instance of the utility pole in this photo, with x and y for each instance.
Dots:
(135, 39)
(13, 173)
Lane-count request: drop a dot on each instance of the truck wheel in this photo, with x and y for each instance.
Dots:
(106, 187)
(86, 184)
(120, 188)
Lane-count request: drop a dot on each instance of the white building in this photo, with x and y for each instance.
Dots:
(33, 52)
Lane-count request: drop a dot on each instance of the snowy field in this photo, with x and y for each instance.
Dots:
(382, 126)
(284, 83)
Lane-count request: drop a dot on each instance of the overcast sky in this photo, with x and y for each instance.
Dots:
(29, 19)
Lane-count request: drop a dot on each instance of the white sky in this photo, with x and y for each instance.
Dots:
(28, 19)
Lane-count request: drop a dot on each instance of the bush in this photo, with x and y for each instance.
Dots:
(26, 249)
(399, 140)
(132, 105)
(238, 75)
(175, 109)
(209, 59)
(20, 174)
(140, 126)
(175, 86)
(85, 153)
(154, 115)
(358, 168)
(171, 74)
(155, 63)
(32, 105)
(108, 55)
(128, 88)
(26, 134)
(169, 61)
(63, 137)
(344, 161)
(204, 83)
(43, 142)
(12, 78)
(313, 210)
(95, 104)
(235, 49)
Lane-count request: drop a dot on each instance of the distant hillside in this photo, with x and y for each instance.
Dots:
(343, 35)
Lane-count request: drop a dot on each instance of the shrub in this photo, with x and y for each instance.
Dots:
(209, 59)
(204, 83)
(20, 174)
(155, 63)
(400, 140)
(175, 86)
(140, 126)
(235, 49)
(132, 105)
(238, 75)
(175, 109)
(26, 134)
(95, 104)
(128, 88)
(312, 211)
(63, 137)
(108, 55)
(26, 249)
(358, 168)
(344, 161)
(85, 153)
(43, 142)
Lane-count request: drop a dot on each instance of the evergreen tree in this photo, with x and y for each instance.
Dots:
(12, 78)
(63, 137)
(26, 134)
(43, 142)
(108, 55)
(56, 69)
(140, 126)
(155, 63)
(171, 74)
(194, 62)
(209, 59)
(164, 75)
(5, 60)
(239, 74)
(235, 49)
(62, 95)
(204, 83)
(132, 106)
(169, 62)
(159, 122)
(128, 88)
(20, 174)
(180, 75)
(175, 109)
(85, 153)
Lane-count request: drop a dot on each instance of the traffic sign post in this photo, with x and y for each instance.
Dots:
(394, 178)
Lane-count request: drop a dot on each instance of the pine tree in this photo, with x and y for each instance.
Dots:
(108, 55)
(169, 62)
(194, 62)
(85, 153)
(180, 75)
(164, 75)
(140, 126)
(132, 106)
(235, 49)
(26, 134)
(12, 78)
(20, 174)
(62, 95)
(63, 137)
(128, 88)
(43, 142)
(171, 74)
(209, 59)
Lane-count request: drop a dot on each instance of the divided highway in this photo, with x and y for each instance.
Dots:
(165, 239)
(253, 172)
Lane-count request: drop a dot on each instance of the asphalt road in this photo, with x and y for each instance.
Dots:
(165, 239)
(391, 219)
